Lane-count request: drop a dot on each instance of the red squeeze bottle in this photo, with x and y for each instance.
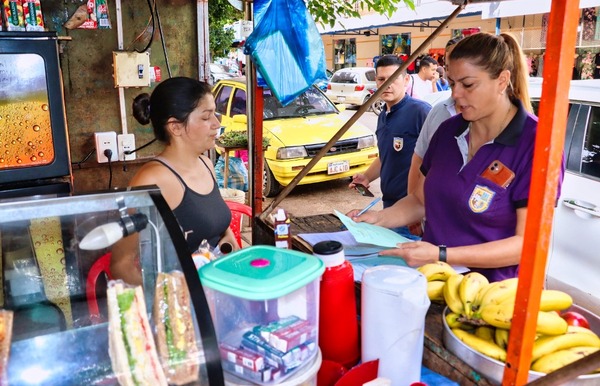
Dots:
(338, 323)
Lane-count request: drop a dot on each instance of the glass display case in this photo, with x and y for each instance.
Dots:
(43, 275)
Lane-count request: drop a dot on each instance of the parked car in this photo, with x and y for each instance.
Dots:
(296, 133)
(352, 85)
(574, 258)
(218, 72)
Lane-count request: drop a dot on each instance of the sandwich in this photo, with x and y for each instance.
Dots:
(130, 342)
(175, 334)
(6, 318)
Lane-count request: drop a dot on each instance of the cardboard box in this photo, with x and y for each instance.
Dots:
(32, 11)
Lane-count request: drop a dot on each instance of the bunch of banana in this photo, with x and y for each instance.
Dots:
(500, 316)
(574, 337)
(436, 274)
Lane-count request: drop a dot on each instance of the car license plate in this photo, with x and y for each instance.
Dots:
(338, 167)
(341, 99)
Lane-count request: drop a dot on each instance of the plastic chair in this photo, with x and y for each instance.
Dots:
(237, 210)
(102, 265)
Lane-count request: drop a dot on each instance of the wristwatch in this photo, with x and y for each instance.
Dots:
(443, 257)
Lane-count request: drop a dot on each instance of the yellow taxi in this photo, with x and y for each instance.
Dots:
(296, 133)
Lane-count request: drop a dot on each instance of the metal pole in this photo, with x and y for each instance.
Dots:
(203, 45)
(361, 110)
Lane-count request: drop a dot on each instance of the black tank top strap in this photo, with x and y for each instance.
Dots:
(211, 174)
(159, 160)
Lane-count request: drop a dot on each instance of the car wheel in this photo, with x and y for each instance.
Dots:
(270, 185)
(378, 106)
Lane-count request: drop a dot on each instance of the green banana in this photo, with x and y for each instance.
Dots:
(553, 300)
(483, 346)
(500, 316)
(435, 290)
(485, 333)
(468, 289)
(439, 270)
(549, 344)
(555, 360)
(451, 293)
(503, 291)
(501, 337)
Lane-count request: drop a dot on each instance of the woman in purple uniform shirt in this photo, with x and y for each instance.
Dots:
(477, 168)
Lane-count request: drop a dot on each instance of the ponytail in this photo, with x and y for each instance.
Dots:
(519, 76)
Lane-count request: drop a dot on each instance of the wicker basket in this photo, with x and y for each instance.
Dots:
(235, 195)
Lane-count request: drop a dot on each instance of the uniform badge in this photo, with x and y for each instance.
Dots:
(398, 143)
(481, 198)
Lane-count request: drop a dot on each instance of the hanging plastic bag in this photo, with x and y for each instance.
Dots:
(237, 176)
(286, 47)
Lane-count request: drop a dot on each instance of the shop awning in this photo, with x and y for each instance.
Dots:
(426, 11)
(497, 9)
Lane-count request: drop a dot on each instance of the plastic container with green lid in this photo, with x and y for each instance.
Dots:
(264, 302)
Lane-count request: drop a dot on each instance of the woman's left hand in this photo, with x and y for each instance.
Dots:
(415, 253)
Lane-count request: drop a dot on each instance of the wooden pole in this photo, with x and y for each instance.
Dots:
(547, 161)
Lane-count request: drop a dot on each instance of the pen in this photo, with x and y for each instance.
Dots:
(372, 204)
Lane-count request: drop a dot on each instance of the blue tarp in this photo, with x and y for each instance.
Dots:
(286, 48)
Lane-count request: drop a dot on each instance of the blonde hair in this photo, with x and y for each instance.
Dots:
(494, 54)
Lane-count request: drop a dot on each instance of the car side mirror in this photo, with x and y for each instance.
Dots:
(240, 118)
(341, 107)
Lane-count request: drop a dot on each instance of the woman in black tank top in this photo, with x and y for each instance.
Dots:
(182, 112)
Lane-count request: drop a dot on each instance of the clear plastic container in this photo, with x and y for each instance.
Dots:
(264, 302)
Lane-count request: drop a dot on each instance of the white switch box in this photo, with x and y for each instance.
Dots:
(126, 142)
(131, 69)
(104, 141)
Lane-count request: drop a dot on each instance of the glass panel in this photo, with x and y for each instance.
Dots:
(222, 99)
(590, 156)
(238, 105)
(25, 129)
(43, 274)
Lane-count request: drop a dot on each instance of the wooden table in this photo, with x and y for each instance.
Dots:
(225, 155)
(435, 356)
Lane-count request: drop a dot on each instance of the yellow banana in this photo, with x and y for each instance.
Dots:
(549, 344)
(437, 271)
(453, 322)
(435, 290)
(483, 346)
(500, 293)
(555, 360)
(482, 292)
(468, 289)
(500, 316)
(501, 337)
(485, 333)
(580, 329)
(553, 300)
(451, 293)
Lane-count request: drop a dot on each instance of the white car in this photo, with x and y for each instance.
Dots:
(352, 85)
(574, 254)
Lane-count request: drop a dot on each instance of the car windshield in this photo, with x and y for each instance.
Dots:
(310, 102)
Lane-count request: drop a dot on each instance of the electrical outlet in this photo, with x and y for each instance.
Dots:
(126, 142)
(106, 141)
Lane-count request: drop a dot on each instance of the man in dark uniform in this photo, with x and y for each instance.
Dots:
(398, 128)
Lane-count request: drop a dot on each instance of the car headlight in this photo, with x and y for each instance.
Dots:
(291, 152)
(364, 142)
